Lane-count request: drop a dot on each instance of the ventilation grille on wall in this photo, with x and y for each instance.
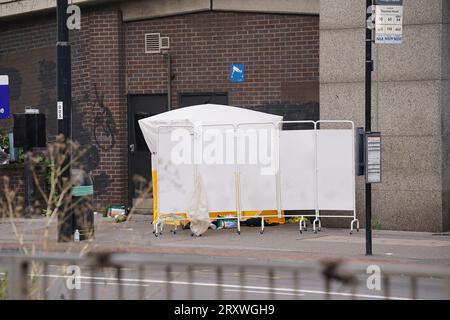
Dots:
(154, 43)
(164, 43)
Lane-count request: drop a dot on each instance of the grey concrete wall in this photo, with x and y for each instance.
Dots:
(146, 9)
(10, 8)
(409, 108)
(279, 6)
(445, 96)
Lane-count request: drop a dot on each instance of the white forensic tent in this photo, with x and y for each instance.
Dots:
(197, 175)
(177, 182)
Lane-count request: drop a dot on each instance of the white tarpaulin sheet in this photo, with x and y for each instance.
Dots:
(335, 176)
(176, 181)
(198, 212)
(335, 161)
(297, 168)
(219, 177)
(257, 158)
(300, 151)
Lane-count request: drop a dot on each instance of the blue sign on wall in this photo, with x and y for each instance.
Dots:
(4, 97)
(237, 72)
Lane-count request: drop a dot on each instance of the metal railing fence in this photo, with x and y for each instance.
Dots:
(132, 276)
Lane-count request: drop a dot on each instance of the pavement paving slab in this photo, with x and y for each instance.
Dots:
(278, 242)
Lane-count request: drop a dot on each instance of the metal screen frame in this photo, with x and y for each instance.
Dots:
(317, 224)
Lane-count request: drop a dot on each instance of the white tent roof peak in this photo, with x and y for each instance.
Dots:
(205, 114)
(213, 114)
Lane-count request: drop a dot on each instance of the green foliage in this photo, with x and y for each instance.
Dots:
(296, 219)
(43, 161)
(3, 287)
(4, 141)
(376, 225)
(21, 155)
(4, 144)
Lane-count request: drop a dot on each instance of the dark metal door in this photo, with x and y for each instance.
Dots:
(139, 157)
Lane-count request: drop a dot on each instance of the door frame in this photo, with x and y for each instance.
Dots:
(129, 119)
(198, 94)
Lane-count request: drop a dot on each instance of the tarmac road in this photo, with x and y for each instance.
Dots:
(204, 284)
(278, 243)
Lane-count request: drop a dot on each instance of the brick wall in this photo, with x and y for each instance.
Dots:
(15, 173)
(99, 102)
(280, 53)
(28, 56)
(16, 179)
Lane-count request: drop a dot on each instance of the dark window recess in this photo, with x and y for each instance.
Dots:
(193, 99)
(294, 112)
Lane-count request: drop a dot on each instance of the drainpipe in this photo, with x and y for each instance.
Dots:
(169, 80)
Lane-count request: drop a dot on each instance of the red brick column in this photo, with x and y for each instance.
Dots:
(100, 110)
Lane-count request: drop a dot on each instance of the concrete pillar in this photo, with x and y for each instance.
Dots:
(410, 107)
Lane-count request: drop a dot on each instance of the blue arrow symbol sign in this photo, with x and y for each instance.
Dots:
(4, 97)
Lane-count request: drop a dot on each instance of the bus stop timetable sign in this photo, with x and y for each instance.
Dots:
(373, 157)
(388, 21)
(4, 97)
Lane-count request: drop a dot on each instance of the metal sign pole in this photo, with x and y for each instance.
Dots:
(368, 126)
(64, 106)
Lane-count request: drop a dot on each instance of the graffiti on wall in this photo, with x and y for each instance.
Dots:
(83, 134)
(33, 83)
(99, 136)
(105, 129)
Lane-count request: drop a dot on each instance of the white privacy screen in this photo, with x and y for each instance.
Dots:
(297, 166)
(257, 156)
(257, 150)
(217, 168)
(335, 169)
(175, 179)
